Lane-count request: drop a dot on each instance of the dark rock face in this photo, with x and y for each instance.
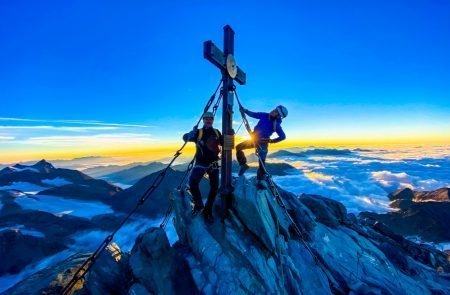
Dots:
(402, 194)
(327, 211)
(439, 195)
(424, 214)
(158, 267)
(109, 275)
(18, 250)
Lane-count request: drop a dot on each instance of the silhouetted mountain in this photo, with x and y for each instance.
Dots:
(38, 172)
(101, 171)
(424, 214)
(439, 195)
(39, 167)
(90, 189)
(277, 169)
(56, 181)
(312, 152)
(283, 153)
(18, 250)
(134, 174)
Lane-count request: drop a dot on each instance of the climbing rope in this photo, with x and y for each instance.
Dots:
(88, 263)
(274, 189)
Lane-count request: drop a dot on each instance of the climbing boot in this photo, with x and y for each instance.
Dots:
(196, 211)
(262, 184)
(207, 215)
(242, 169)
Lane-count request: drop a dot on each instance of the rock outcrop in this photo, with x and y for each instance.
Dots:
(423, 214)
(255, 250)
(18, 250)
(109, 275)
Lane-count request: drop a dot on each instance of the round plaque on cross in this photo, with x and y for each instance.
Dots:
(231, 66)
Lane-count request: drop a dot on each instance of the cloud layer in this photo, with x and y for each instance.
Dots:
(363, 178)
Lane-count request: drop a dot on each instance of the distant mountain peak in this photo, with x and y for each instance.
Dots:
(402, 194)
(42, 162)
(43, 166)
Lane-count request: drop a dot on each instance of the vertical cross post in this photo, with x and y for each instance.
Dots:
(230, 73)
(227, 116)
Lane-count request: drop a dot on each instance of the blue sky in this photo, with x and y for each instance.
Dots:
(345, 69)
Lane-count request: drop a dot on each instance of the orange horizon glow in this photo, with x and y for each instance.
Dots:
(157, 152)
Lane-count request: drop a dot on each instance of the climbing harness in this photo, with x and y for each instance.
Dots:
(200, 134)
(88, 263)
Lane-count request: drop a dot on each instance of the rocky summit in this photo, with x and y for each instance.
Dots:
(255, 250)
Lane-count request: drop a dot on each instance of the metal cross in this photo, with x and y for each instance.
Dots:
(230, 72)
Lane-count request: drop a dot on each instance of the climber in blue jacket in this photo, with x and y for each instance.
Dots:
(268, 124)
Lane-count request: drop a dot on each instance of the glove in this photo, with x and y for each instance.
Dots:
(191, 135)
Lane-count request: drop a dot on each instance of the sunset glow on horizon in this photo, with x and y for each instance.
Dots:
(125, 154)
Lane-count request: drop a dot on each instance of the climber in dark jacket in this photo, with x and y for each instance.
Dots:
(268, 124)
(208, 141)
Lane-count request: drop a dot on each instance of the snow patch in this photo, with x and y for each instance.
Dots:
(16, 169)
(26, 187)
(121, 185)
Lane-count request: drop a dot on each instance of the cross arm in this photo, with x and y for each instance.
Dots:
(212, 53)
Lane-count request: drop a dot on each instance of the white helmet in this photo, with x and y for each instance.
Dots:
(282, 111)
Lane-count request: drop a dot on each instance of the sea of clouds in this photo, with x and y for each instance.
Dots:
(362, 178)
